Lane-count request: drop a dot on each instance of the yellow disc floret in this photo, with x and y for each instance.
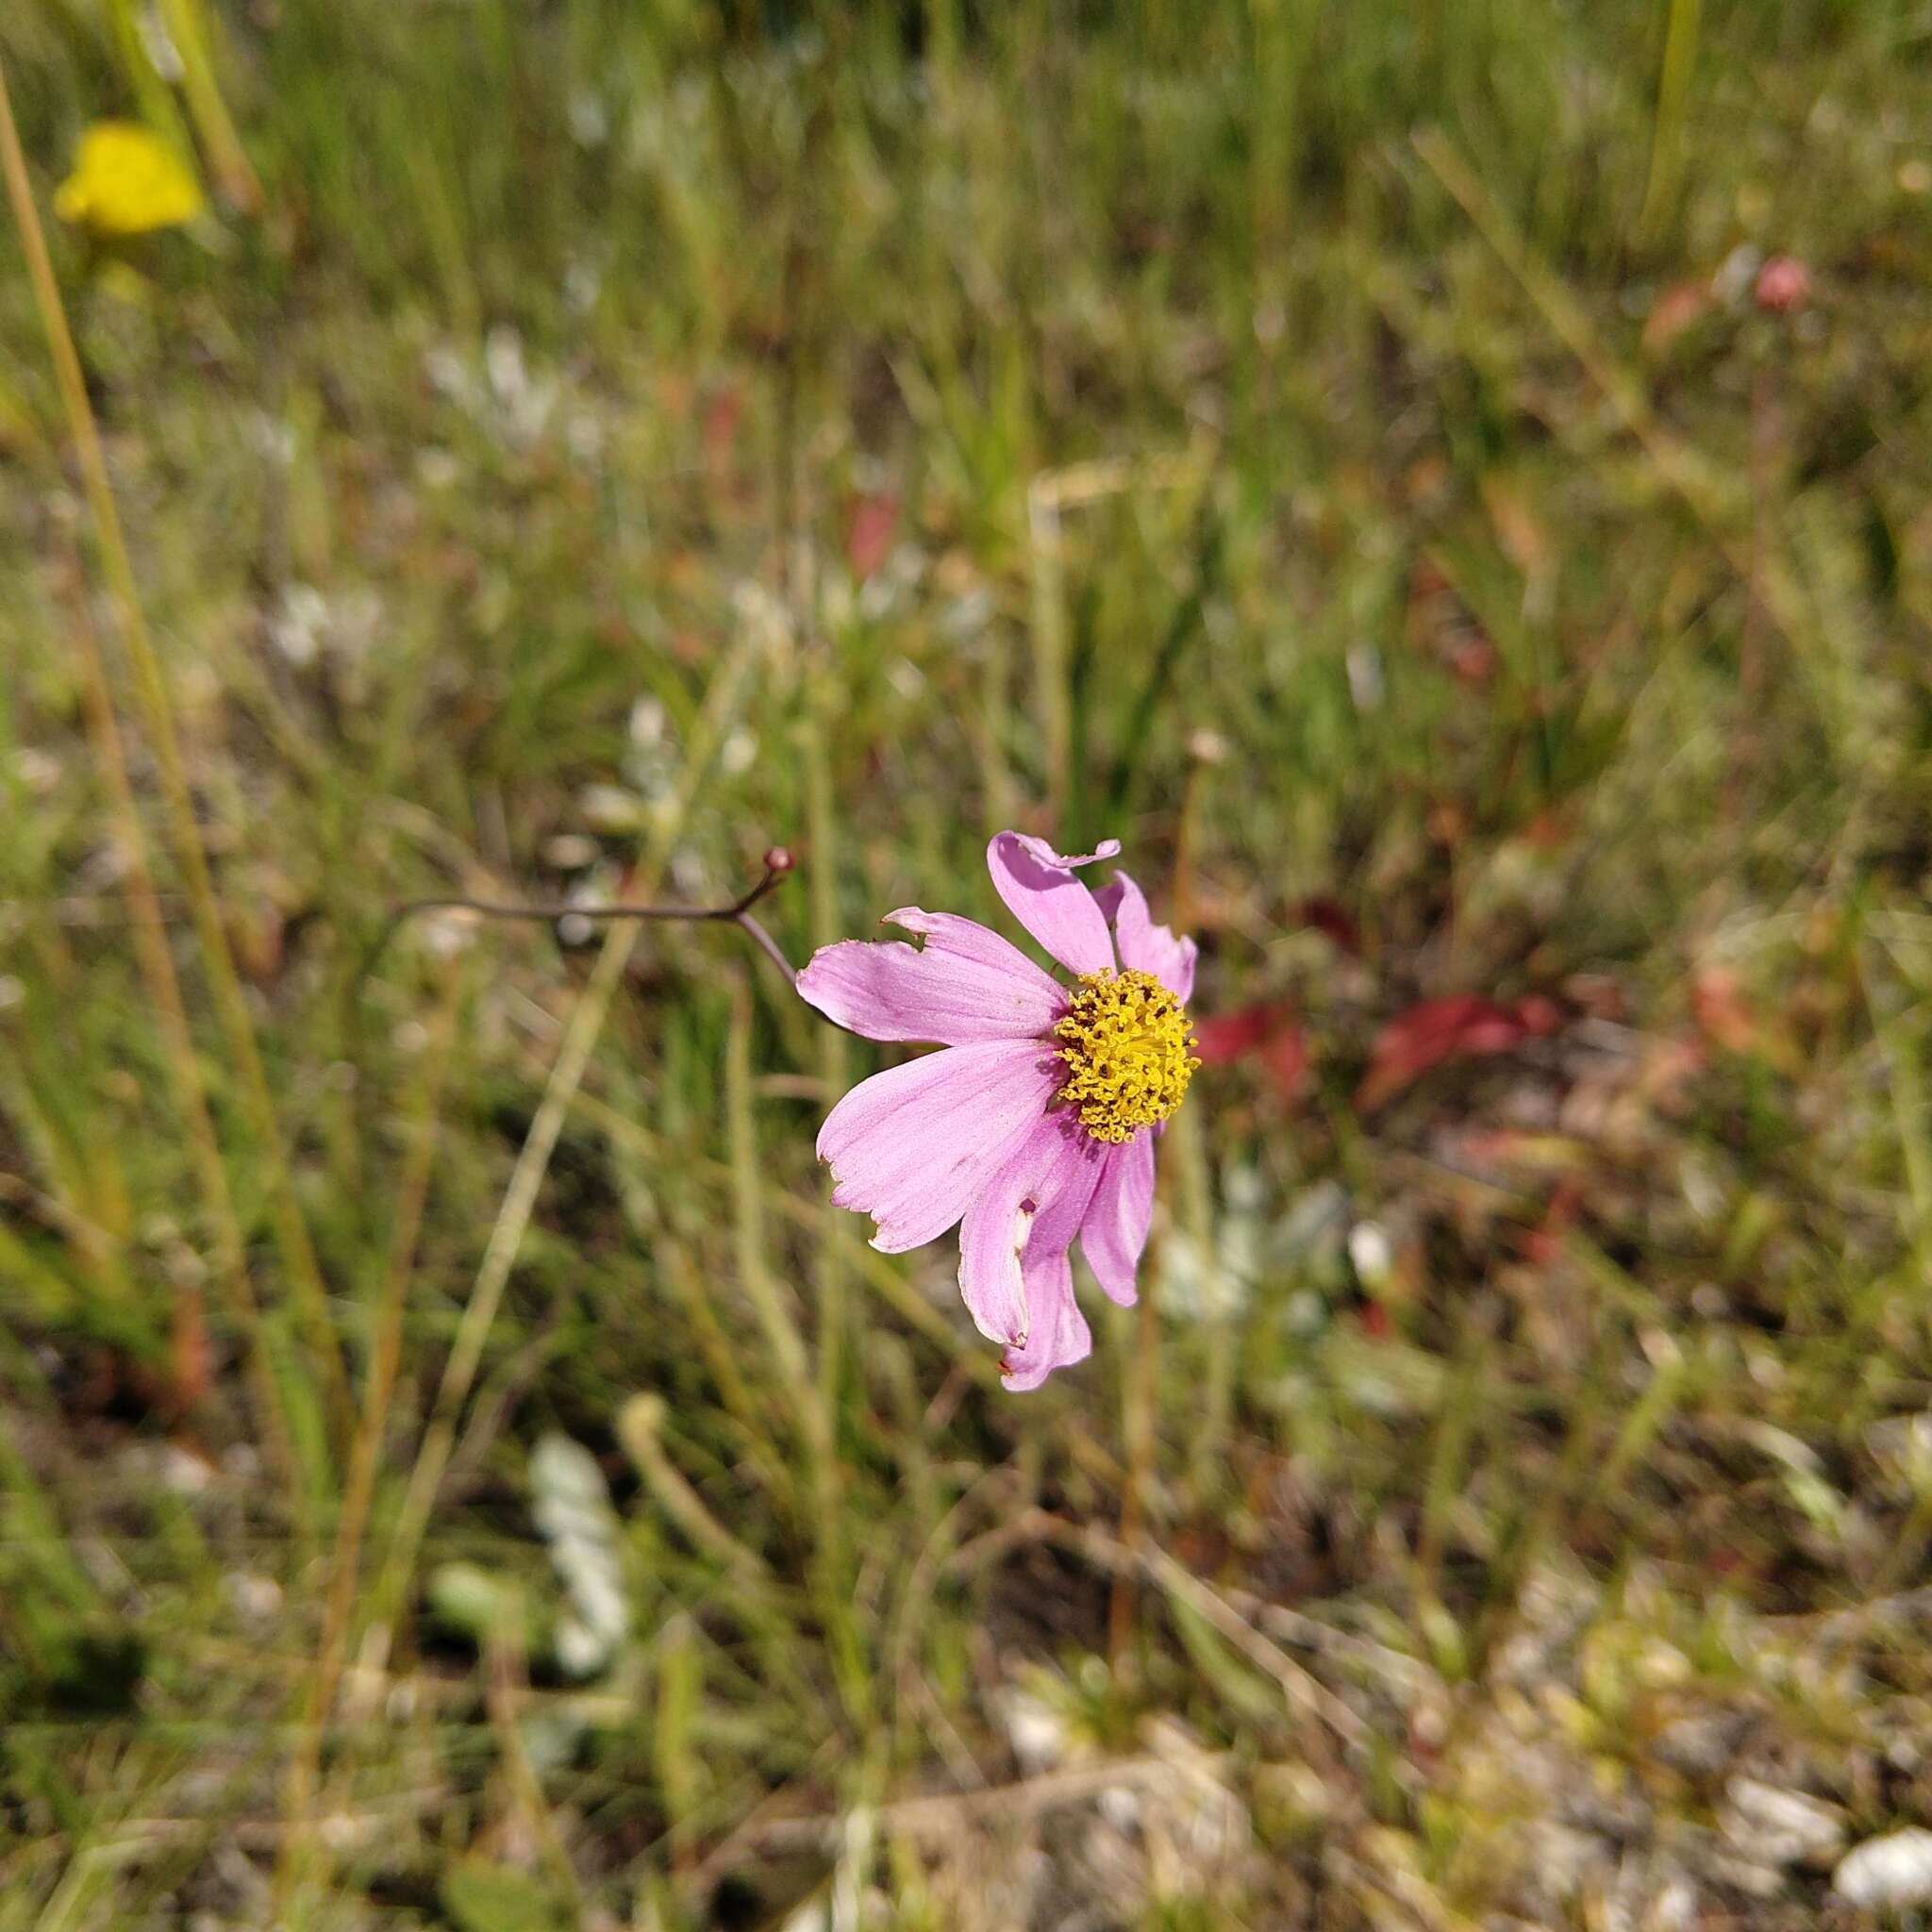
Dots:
(1128, 1053)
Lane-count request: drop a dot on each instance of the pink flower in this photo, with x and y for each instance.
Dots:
(1783, 284)
(1034, 1126)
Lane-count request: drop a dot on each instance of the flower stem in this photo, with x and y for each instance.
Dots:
(779, 863)
(527, 1179)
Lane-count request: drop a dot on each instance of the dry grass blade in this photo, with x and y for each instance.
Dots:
(639, 1429)
(781, 1331)
(1103, 421)
(192, 27)
(184, 1068)
(189, 852)
(520, 1197)
(1049, 493)
(1702, 489)
(364, 1454)
(1302, 1690)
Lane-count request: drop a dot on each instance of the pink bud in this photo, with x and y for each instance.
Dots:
(1784, 285)
(778, 859)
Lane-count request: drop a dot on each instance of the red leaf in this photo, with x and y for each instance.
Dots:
(1333, 920)
(1723, 1012)
(724, 411)
(1677, 309)
(1544, 1243)
(1268, 1033)
(869, 531)
(1225, 1037)
(1453, 1027)
(1286, 1058)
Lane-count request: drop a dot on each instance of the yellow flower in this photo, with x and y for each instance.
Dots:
(127, 181)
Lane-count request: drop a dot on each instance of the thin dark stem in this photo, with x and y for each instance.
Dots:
(771, 948)
(739, 912)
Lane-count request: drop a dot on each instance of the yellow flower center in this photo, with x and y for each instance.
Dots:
(1128, 1054)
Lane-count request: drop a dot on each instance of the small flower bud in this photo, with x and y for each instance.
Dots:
(780, 859)
(1783, 286)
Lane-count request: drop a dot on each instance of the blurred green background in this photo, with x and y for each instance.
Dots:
(1447, 486)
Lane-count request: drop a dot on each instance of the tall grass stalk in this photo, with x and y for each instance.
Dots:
(191, 856)
(155, 97)
(721, 1358)
(193, 28)
(1672, 101)
(782, 1336)
(527, 1179)
(815, 1217)
(365, 1451)
(835, 1246)
(177, 1040)
(1701, 485)
(640, 1429)
(811, 1410)
(1049, 597)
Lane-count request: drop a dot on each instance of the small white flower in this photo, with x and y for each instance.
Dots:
(255, 1599)
(1896, 1870)
(571, 852)
(1736, 272)
(1365, 682)
(1369, 1250)
(297, 625)
(503, 363)
(38, 771)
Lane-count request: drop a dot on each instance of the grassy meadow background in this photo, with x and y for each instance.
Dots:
(466, 1476)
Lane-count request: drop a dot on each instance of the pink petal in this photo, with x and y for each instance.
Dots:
(1115, 1231)
(1043, 895)
(965, 984)
(915, 1146)
(1144, 946)
(1059, 1335)
(1029, 1211)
